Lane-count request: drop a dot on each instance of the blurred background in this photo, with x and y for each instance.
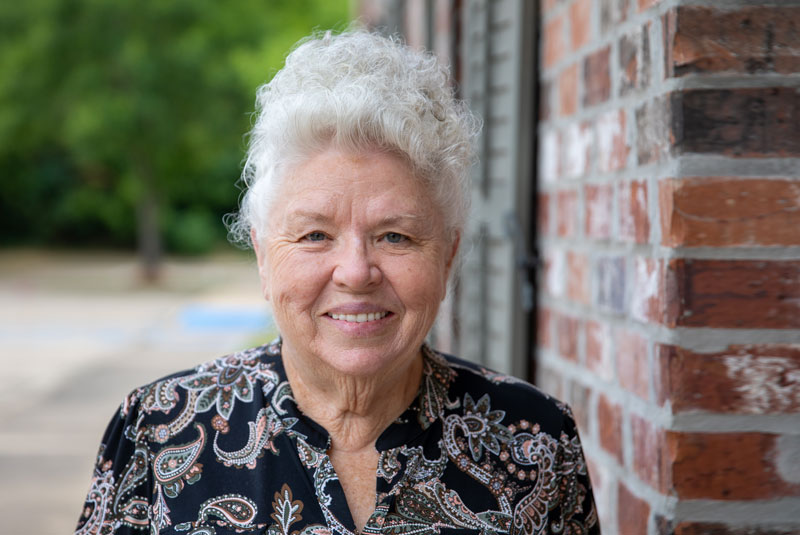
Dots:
(122, 131)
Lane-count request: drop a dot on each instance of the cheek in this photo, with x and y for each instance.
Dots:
(296, 283)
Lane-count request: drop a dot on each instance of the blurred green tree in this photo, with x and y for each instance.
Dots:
(122, 121)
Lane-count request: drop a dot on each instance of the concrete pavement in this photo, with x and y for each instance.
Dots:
(77, 333)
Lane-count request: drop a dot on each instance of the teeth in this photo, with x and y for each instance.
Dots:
(359, 318)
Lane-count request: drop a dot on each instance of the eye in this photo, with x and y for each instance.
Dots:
(395, 237)
(315, 236)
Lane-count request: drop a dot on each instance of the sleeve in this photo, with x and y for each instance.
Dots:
(118, 498)
(577, 514)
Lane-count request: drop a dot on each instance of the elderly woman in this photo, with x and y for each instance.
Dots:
(349, 423)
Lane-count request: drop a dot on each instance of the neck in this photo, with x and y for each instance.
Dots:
(353, 409)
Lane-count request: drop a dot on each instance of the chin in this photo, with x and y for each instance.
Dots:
(361, 362)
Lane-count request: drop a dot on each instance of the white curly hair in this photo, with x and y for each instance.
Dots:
(357, 91)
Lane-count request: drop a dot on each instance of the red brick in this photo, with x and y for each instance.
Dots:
(577, 149)
(596, 77)
(752, 123)
(749, 379)
(724, 211)
(567, 213)
(599, 205)
(568, 329)
(634, 60)
(543, 330)
(726, 466)
(634, 219)
(702, 528)
(580, 18)
(543, 214)
(545, 101)
(746, 40)
(648, 294)
(609, 425)
(568, 90)
(612, 146)
(553, 47)
(598, 349)
(746, 294)
(632, 367)
(548, 5)
(633, 512)
(650, 461)
(578, 278)
(646, 4)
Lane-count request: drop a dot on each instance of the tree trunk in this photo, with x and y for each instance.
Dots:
(148, 233)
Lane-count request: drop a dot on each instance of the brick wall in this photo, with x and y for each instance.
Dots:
(669, 224)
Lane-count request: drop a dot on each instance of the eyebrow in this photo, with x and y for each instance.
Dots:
(317, 217)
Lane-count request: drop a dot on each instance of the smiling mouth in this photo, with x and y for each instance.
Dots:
(360, 318)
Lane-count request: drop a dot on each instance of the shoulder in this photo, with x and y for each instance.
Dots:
(477, 386)
(219, 383)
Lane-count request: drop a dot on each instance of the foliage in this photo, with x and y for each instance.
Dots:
(107, 103)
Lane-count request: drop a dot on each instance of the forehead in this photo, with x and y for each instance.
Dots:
(367, 182)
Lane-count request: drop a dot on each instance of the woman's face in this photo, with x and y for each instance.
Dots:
(355, 262)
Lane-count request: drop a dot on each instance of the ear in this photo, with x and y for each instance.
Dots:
(263, 265)
(451, 256)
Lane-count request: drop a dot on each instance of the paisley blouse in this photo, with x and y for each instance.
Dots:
(224, 449)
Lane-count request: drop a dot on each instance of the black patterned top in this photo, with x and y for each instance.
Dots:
(224, 449)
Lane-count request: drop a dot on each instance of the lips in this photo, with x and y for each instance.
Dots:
(360, 318)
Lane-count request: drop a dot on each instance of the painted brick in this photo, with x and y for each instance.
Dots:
(750, 379)
(612, 12)
(568, 90)
(612, 146)
(555, 270)
(548, 5)
(549, 164)
(634, 60)
(550, 380)
(577, 152)
(632, 366)
(598, 350)
(650, 460)
(633, 512)
(746, 40)
(753, 123)
(596, 77)
(578, 400)
(702, 528)
(609, 426)
(647, 294)
(603, 486)
(723, 211)
(599, 205)
(652, 124)
(580, 23)
(568, 329)
(567, 213)
(750, 294)
(578, 278)
(610, 284)
(634, 220)
(726, 466)
(553, 48)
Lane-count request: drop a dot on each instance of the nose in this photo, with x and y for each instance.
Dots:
(355, 268)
